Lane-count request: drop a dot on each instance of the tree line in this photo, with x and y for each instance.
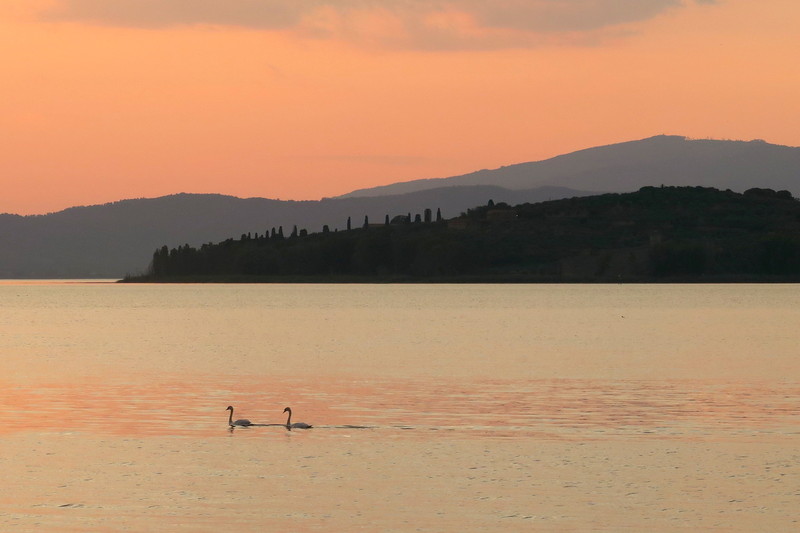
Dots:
(656, 233)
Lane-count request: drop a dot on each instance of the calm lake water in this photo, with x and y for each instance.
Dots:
(435, 407)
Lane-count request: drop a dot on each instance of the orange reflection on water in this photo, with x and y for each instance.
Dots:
(554, 409)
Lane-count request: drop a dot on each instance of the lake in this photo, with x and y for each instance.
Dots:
(435, 407)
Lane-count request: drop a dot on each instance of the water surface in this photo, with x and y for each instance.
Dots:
(436, 407)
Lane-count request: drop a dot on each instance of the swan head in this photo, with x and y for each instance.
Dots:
(229, 408)
(287, 410)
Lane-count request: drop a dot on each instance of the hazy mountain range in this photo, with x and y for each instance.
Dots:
(111, 240)
(625, 167)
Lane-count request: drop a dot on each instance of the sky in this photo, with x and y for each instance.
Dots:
(104, 100)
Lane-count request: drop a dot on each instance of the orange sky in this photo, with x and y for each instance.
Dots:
(104, 100)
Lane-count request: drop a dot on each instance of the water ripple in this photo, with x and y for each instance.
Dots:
(547, 409)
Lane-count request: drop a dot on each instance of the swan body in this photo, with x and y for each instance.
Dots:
(296, 425)
(240, 422)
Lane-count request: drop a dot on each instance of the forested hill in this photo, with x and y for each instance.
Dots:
(655, 234)
(106, 241)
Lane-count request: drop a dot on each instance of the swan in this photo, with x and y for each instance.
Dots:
(240, 422)
(297, 425)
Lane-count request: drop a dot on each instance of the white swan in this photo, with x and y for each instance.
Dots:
(297, 425)
(240, 422)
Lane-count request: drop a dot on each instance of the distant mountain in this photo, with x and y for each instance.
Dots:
(115, 239)
(626, 167)
(112, 240)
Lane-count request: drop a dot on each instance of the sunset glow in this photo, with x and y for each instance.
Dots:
(104, 100)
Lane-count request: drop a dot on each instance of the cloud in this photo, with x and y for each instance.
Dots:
(266, 14)
(403, 23)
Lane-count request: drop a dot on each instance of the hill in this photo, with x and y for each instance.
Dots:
(111, 240)
(115, 239)
(655, 234)
(625, 167)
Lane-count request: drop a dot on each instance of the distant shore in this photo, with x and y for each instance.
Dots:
(655, 235)
(455, 280)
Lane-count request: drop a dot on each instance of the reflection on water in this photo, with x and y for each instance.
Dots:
(544, 409)
(435, 408)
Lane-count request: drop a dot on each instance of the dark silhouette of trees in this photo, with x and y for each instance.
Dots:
(664, 233)
(678, 258)
(160, 264)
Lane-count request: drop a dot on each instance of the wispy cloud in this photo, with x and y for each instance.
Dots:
(405, 23)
